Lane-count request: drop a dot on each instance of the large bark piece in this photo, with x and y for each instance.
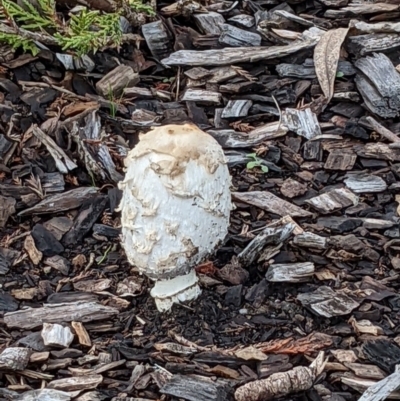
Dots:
(379, 85)
(52, 313)
(271, 203)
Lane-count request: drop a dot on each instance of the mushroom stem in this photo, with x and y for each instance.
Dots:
(177, 290)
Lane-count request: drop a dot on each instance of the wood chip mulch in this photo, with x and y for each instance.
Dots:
(304, 97)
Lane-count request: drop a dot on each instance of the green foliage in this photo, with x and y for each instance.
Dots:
(85, 32)
(139, 7)
(256, 162)
(339, 74)
(31, 18)
(16, 42)
(89, 31)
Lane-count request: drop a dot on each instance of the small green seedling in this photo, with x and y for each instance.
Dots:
(256, 162)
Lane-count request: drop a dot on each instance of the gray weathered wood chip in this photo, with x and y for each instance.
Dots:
(61, 202)
(290, 272)
(219, 57)
(365, 183)
(53, 313)
(302, 121)
(271, 203)
(236, 108)
(14, 358)
(57, 335)
(310, 240)
(333, 200)
(328, 303)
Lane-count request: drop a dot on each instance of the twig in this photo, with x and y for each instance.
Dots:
(380, 129)
(280, 112)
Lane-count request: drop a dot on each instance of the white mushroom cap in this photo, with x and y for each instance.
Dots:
(176, 200)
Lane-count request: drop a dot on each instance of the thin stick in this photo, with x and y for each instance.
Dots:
(380, 129)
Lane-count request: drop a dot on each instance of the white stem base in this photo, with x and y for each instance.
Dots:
(178, 290)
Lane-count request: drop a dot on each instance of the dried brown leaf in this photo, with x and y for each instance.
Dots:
(326, 59)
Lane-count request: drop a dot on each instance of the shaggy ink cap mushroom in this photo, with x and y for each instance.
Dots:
(175, 208)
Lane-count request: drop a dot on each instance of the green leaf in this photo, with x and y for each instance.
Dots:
(339, 74)
(264, 169)
(251, 165)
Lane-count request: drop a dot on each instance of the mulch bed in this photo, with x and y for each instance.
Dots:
(304, 97)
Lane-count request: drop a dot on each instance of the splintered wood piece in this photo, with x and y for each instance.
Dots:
(236, 37)
(271, 203)
(15, 358)
(93, 396)
(230, 139)
(251, 353)
(360, 9)
(180, 386)
(92, 149)
(63, 163)
(229, 56)
(310, 240)
(268, 236)
(378, 27)
(79, 383)
(59, 263)
(61, 202)
(236, 108)
(244, 20)
(58, 226)
(233, 272)
(273, 364)
(334, 200)
(93, 285)
(209, 23)
(340, 159)
(52, 313)
(377, 150)
(304, 122)
(290, 272)
(39, 356)
(114, 82)
(57, 335)
(198, 73)
(366, 183)
(7, 209)
(87, 216)
(365, 326)
(174, 348)
(25, 293)
(363, 45)
(281, 384)
(202, 96)
(383, 352)
(34, 254)
(375, 391)
(379, 85)
(328, 303)
(44, 394)
(158, 39)
(366, 371)
(224, 371)
(292, 188)
(344, 355)
(326, 59)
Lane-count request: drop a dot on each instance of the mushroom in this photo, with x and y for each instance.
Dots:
(175, 208)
